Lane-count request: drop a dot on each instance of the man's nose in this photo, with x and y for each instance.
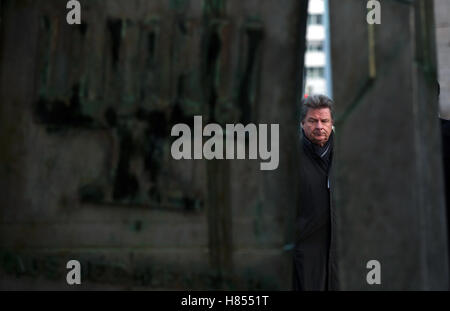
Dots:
(319, 125)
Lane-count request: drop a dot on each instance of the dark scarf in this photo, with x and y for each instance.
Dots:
(322, 154)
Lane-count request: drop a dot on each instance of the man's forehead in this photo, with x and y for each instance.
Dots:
(319, 112)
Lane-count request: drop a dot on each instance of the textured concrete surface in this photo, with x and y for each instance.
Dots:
(86, 113)
(442, 20)
(389, 179)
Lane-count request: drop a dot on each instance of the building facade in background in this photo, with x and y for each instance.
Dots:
(316, 55)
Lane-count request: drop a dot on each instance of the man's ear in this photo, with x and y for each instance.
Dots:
(301, 124)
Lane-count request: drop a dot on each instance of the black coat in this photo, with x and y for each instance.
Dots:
(315, 244)
(445, 128)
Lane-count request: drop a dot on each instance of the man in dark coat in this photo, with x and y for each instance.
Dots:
(314, 252)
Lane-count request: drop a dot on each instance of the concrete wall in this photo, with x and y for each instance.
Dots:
(389, 195)
(86, 114)
(442, 20)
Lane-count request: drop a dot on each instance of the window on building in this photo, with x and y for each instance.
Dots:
(315, 46)
(315, 72)
(316, 69)
(315, 19)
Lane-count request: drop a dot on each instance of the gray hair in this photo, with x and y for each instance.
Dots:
(316, 102)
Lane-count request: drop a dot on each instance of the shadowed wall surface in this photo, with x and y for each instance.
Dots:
(389, 182)
(86, 114)
(442, 20)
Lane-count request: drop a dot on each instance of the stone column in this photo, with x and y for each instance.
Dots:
(389, 183)
(442, 13)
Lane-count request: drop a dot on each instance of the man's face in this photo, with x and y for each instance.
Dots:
(317, 125)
